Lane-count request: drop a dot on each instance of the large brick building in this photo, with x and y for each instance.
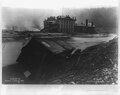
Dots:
(67, 24)
(60, 24)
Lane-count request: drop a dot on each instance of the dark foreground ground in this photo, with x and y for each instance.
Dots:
(96, 65)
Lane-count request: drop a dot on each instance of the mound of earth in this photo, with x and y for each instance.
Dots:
(96, 65)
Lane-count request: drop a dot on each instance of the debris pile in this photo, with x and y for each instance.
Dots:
(97, 65)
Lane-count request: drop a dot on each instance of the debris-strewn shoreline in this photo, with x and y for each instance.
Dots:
(96, 65)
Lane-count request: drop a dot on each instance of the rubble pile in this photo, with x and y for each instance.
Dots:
(97, 65)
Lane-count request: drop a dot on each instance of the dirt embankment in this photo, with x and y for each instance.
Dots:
(97, 65)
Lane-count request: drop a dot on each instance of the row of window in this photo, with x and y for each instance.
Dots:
(66, 30)
(66, 25)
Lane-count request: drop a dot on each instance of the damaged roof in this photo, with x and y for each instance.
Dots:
(55, 45)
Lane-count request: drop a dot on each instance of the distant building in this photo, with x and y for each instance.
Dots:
(88, 27)
(60, 24)
(67, 24)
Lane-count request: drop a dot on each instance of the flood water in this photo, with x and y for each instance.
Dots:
(83, 43)
(12, 49)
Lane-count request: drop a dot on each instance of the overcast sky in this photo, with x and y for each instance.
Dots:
(58, 4)
(29, 13)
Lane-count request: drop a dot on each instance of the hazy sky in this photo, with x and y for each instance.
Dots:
(58, 4)
(29, 13)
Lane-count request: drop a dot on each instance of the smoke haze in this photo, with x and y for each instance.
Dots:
(105, 19)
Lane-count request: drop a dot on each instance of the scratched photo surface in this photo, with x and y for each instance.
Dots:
(65, 46)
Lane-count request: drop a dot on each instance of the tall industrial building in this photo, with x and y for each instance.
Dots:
(66, 24)
(60, 24)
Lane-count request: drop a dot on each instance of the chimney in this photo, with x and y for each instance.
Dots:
(92, 24)
(86, 22)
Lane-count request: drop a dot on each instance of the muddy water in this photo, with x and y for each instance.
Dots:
(83, 43)
(10, 52)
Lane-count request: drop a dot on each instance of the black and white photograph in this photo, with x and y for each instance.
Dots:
(59, 42)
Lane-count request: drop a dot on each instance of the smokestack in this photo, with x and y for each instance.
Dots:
(86, 22)
(92, 24)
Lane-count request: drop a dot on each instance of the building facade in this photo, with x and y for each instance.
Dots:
(66, 24)
(87, 27)
(60, 24)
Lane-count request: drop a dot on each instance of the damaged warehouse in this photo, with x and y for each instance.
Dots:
(43, 57)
